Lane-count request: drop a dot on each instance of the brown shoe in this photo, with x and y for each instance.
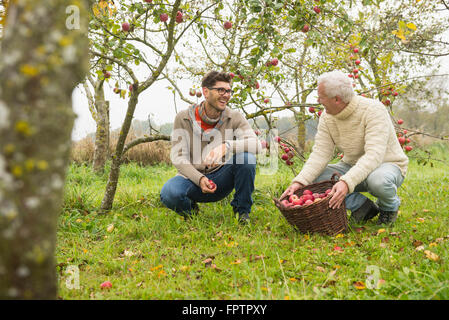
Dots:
(367, 211)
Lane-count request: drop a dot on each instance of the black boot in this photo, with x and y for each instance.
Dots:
(243, 217)
(193, 212)
(367, 211)
(387, 217)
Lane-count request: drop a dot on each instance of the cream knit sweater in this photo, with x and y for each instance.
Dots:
(364, 132)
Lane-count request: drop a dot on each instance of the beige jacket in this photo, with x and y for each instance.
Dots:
(365, 134)
(190, 146)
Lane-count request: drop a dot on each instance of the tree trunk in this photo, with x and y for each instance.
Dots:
(111, 186)
(43, 57)
(101, 150)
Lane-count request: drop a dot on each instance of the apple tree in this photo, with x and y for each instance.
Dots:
(135, 44)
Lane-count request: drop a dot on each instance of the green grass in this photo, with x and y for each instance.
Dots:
(152, 253)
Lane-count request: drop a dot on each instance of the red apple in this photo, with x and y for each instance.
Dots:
(106, 285)
(312, 110)
(350, 75)
(401, 140)
(395, 94)
(308, 202)
(131, 87)
(357, 61)
(317, 9)
(405, 131)
(308, 197)
(179, 17)
(286, 204)
(199, 94)
(277, 139)
(125, 26)
(212, 184)
(290, 155)
(307, 192)
(289, 163)
(316, 195)
(407, 140)
(328, 191)
(356, 76)
(297, 202)
(148, 1)
(408, 148)
(274, 62)
(107, 74)
(306, 28)
(319, 113)
(356, 50)
(286, 150)
(284, 157)
(257, 85)
(163, 17)
(293, 197)
(192, 92)
(266, 100)
(386, 102)
(231, 74)
(355, 71)
(227, 25)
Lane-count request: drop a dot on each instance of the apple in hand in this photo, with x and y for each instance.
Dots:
(212, 184)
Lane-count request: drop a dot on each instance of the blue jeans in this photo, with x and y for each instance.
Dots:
(382, 183)
(179, 193)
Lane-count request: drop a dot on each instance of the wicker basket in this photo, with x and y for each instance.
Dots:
(316, 217)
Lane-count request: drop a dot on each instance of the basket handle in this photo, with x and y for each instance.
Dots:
(333, 179)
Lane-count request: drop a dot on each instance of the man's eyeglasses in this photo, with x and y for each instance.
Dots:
(222, 91)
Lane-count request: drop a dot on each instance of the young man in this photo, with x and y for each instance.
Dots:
(213, 148)
(373, 159)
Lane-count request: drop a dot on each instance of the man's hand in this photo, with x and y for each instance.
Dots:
(338, 192)
(215, 155)
(291, 190)
(206, 187)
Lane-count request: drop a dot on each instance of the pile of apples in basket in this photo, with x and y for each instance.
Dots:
(307, 198)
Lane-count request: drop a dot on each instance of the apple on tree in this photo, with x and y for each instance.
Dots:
(227, 25)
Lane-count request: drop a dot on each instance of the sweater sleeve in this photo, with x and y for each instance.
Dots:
(180, 152)
(246, 139)
(377, 126)
(322, 153)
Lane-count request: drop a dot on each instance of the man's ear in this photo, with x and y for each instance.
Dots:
(205, 92)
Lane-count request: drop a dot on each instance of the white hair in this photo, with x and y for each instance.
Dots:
(336, 83)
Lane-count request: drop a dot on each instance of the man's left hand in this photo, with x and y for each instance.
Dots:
(339, 192)
(215, 155)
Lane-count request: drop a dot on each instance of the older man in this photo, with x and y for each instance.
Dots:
(213, 149)
(373, 159)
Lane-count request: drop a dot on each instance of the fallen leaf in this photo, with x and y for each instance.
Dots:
(286, 298)
(359, 285)
(420, 248)
(425, 210)
(320, 269)
(437, 240)
(417, 243)
(430, 255)
(380, 231)
(110, 228)
(156, 268)
(340, 235)
(421, 220)
(79, 220)
(207, 262)
(432, 244)
(293, 279)
(128, 253)
(238, 261)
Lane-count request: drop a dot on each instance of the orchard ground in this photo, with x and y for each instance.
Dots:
(147, 251)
